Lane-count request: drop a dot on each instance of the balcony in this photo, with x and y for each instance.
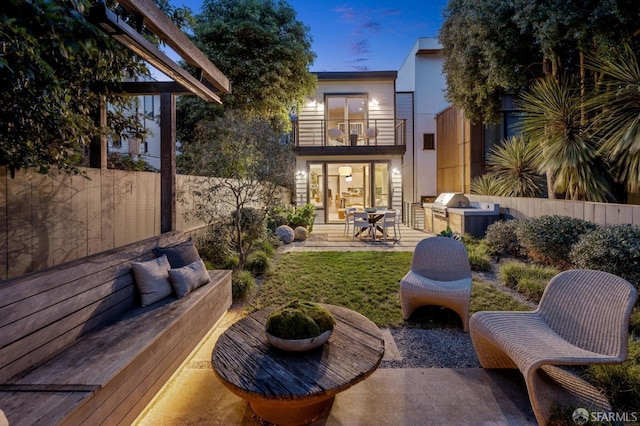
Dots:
(373, 137)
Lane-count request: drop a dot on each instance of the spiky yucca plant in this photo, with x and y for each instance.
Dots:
(616, 110)
(485, 185)
(514, 166)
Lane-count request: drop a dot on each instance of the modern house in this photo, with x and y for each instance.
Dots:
(370, 139)
(349, 144)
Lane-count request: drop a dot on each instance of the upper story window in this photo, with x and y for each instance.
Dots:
(149, 106)
(347, 113)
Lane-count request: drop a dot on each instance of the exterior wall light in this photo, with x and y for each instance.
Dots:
(395, 171)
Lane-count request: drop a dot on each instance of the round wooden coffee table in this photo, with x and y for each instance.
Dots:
(293, 388)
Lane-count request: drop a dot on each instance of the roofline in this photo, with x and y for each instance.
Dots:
(357, 75)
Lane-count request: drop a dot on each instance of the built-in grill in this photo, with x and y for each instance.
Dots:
(454, 210)
(448, 200)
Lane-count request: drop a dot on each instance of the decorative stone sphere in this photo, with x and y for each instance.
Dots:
(300, 233)
(285, 233)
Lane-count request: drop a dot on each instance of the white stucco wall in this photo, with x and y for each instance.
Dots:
(421, 73)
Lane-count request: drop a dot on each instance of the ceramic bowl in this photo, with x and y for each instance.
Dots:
(299, 345)
(370, 209)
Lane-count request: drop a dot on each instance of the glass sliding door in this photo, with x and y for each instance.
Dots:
(382, 185)
(354, 184)
(348, 114)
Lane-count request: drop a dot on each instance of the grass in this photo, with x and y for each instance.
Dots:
(366, 282)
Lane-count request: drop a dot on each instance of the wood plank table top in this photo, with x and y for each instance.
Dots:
(296, 387)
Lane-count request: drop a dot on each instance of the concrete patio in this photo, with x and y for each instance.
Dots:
(390, 396)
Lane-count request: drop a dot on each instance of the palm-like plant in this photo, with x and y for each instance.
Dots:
(553, 123)
(514, 166)
(485, 185)
(615, 107)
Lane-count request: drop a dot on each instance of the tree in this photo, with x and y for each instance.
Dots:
(615, 108)
(51, 59)
(486, 56)
(553, 123)
(263, 50)
(496, 47)
(247, 164)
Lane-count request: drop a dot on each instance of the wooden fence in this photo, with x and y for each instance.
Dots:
(48, 220)
(604, 214)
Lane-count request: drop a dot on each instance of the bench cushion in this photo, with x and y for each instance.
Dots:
(186, 279)
(152, 279)
(180, 254)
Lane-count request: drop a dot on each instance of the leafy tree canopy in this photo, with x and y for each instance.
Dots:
(496, 47)
(51, 59)
(263, 50)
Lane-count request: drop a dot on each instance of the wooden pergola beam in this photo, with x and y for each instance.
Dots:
(161, 25)
(208, 85)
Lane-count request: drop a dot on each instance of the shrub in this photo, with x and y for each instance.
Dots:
(251, 220)
(502, 239)
(304, 215)
(615, 249)
(621, 381)
(529, 280)
(634, 322)
(277, 217)
(258, 263)
(548, 239)
(478, 254)
(268, 244)
(448, 233)
(531, 287)
(242, 285)
(292, 216)
(214, 247)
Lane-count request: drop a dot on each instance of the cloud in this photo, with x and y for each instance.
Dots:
(372, 26)
(360, 47)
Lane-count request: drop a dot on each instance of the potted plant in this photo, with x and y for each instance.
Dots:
(299, 326)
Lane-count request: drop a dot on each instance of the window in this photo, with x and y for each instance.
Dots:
(149, 106)
(428, 141)
(347, 113)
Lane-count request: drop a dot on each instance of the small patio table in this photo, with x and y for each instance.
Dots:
(374, 217)
(292, 388)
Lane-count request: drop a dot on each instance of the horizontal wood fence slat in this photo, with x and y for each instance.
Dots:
(604, 214)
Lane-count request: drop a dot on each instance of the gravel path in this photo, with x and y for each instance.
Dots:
(435, 347)
(442, 347)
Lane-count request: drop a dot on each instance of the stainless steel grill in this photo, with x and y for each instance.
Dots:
(449, 200)
(453, 210)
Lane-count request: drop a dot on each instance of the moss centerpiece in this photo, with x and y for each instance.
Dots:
(299, 326)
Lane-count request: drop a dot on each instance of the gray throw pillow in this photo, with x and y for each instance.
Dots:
(152, 279)
(186, 279)
(179, 255)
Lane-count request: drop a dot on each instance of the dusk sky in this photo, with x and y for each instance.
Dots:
(366, 35)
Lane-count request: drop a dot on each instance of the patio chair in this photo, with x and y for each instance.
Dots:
(360, 224)
(440, 275)
(388, 221)
(582, 319)
(348, 219)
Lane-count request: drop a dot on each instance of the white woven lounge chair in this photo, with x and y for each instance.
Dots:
(582, 319)
(440, 275)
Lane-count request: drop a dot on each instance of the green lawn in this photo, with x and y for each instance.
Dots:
(367, 282)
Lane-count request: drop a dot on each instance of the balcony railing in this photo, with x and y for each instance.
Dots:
(349, 133)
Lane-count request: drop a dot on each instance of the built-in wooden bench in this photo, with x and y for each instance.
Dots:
(77, 348)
